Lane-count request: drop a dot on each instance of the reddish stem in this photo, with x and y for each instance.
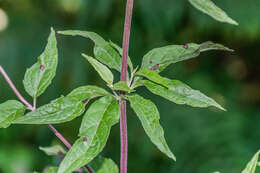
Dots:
(32, 108)
(123, 117)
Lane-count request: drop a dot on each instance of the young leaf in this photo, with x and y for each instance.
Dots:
(159, 58)
(39, 76)
(87, 92)
(208, 7)
(9, 111)
(251, 166)
(104, 165)
(94, 130)
(102, 70)
(122, 86)
(153, 76)
(60, 110)
(102, 50)
(181, 93)
(120, 51)
(149, 116)
(53, 150)
(51, 170)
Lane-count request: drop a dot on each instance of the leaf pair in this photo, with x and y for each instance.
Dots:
(94, 132)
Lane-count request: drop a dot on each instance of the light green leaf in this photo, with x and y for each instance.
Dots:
(95, 129)
(159, 58)
(39, 76)
(51, 170)
(53, 150)
(251, 166)
(102, 50)
(122, 86)
(9, 111)
(148, 114)
(181, 93)
(104, 165)
(60, 110)
(120, 51)
(87, 92)
(153, 76)
(208, 7)
(102, 70)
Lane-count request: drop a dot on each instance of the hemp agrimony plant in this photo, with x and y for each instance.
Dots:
(109, 107)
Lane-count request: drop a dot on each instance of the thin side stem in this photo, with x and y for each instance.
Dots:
(32, 108)
(123, 77)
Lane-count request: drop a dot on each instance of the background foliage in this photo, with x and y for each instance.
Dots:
(203, 140)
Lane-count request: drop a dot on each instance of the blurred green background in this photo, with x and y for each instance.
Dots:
(204, 140)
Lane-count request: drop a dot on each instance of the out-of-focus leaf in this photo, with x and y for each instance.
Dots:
(87, 92)
(60, 110)
(120, 51)
(153, 76)
(208, 7)
(251, 166)
(102, 70)
(95, 129)
(39, 76)
(102, 50)
(51, 170)
(104, 165)
(122, 86)
(53, 150)
(159, 58)
(9, 111)
(181, 93)
(149, 116)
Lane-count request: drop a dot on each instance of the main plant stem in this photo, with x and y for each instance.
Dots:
(32, 108)
(123, 117)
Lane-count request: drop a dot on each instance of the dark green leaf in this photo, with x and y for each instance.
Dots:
(251, 166)
(9, 111)
(102, 70)
(39, 76)
(159, 58)
(149, 116)
(181, 93)
(208, 7)
(104, 165)
(95, 129)
(53, 150)
(87, 92)
(60, 110)
(122, 86)
(102, 50)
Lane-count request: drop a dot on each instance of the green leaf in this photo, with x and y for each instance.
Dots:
(9, 111)
(120, 51)
(104, 165)
(159, 58)
(60, 110)
(39, 76)
(122, 86)
(51, 170)
(102, 70)
(95, 129)
(53, 150)
(251, 166)
(153, 76)
(148, 114)
(208, 7)
(181, 93)
(102, 50)
(87, 92)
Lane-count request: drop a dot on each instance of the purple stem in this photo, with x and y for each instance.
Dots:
(123, 117)
(32, 108)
